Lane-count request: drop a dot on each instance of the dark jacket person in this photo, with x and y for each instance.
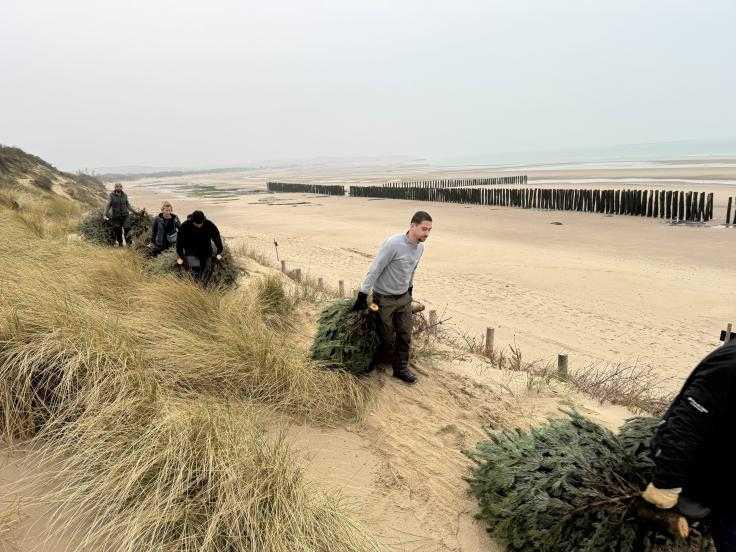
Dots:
(690, 447)
(117, 211)
(165, 229)
(194, 244)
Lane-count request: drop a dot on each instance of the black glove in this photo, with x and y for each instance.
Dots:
(361, 303)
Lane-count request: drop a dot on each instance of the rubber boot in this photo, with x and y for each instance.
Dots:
(402, 372)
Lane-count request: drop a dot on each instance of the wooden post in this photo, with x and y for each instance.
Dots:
(298, 275)
(729, 327)
(341, 288)
(490, 335)
(562, 366)
(283, 267)
(320, 284)
(433, 322)
(728, 210)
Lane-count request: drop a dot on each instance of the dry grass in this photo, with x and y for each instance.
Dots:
(148, 396)
(245, 249)
(308, 289)
(636, 387)
(174, 475)
(88, 311)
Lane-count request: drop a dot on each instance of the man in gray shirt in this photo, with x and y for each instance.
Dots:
(391, 277)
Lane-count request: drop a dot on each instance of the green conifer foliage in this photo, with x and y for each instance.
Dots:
(569, 486)
(345, 339)
(94, 228)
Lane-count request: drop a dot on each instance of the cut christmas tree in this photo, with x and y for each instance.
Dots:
(572, 486)
(345, 340)
(97, 230)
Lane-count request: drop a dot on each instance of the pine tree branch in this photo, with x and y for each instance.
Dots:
(614, 500)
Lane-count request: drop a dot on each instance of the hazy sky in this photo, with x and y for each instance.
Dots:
(219, 82)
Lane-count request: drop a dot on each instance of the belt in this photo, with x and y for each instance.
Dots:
(376, 294)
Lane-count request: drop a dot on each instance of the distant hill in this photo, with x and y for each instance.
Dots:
(118, 177)
(31, 174)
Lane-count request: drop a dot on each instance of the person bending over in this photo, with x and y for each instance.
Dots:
(194, 245)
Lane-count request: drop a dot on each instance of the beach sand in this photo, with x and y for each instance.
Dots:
(603, 289)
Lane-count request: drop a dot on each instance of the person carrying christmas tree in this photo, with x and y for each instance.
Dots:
(391, 277)
(117, 212)
(690, 446)
(198, 241)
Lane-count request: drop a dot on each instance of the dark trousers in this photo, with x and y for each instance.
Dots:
(394, 327)
(119, 231)
(199, 267)
(724, 530)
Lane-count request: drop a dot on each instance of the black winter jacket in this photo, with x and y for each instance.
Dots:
(691, 445)
(117, 206)
(196, 241)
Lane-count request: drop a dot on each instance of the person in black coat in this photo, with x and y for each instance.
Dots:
(194, 245)
(690, 446)
(117, 212)
(165, 229)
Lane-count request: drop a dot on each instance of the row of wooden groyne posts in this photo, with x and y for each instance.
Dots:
(667, 204)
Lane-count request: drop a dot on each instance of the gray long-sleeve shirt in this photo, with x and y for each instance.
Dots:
(392, 271)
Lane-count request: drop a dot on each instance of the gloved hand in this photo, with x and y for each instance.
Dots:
(179, 261)
(661, 498)
(218, 257)
(361, 303)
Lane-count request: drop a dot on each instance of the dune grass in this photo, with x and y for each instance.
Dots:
(154, 404)
(187, 475)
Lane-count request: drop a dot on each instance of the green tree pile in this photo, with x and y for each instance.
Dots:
(345, 340)
(94, 228)
(570, 486)
(224, 273)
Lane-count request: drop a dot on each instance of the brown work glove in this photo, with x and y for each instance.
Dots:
(661, 498)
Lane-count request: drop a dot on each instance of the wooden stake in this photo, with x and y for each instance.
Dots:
(562, 366)
(298, 275)
(728, 334)
(320, 284)
(283, 267)
(490, 335)
(341, 288)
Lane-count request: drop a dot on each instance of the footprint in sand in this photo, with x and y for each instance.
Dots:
(452, 436)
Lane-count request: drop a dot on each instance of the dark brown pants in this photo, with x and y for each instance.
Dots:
(394, 327)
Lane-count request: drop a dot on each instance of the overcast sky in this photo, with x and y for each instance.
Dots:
(220, 82)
